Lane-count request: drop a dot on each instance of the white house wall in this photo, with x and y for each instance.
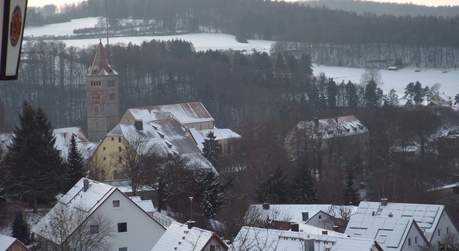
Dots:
(417, 240)
(445, 231)
(142, 231)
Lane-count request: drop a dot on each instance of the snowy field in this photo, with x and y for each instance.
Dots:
(201, 41)
(398, 80)
(61, 29)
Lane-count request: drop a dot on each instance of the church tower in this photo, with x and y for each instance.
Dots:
(102, 96)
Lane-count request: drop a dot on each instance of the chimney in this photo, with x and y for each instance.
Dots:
(190, 224)
(305, 216)
(85, 185)
(138, 124)
(266, 206)
(384, 202)
(294, 227)
(316, 124)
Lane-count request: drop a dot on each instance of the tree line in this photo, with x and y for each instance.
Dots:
(273, 20)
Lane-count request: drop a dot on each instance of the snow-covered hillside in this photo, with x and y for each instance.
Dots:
(201, 41)
(449, 80)
(61, 29)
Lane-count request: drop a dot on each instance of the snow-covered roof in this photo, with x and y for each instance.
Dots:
(6, 242)
(389, 232)
(146, 205)
(427, 216)
(178, 237)
(294, 212)
(312, 230)
(63, 141)
(334, 127)
(354, 244)
(77, 204)
(63, 138)
(163, 137)
(253, 238)
(125, 186)
(200, 136)
(185, 113)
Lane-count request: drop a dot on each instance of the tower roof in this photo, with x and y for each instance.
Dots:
(100, 64)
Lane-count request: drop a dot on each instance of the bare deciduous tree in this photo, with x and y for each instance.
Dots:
(71, 230)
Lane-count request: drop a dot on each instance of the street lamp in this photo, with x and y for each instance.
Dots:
(12, 22)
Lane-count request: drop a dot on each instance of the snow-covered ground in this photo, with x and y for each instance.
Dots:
(201, 41)
(61, 29)
(398, 80)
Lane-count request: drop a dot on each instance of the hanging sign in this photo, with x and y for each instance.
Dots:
(12, 22)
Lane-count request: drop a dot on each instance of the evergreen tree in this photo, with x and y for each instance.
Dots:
(75, 164)
(34, 169)
(332, 92)
(352, 96)
(274, 189)
(456, 99)
(350, 194)
(371, 95)
(212, 193)
(20, 229)
(303, 187)
(212, 149)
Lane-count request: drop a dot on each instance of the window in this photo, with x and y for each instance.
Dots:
(105, 158)
(320, 217)
(122, 249)
(409, 241)
(212, 247)
(94, 229)
(447, 230)
(415, 240)
(119, 139)
(116, 203)
(121, 160)
(104, 148)
(122, 227)
(120, 149)
(438, 232)
(113, 139)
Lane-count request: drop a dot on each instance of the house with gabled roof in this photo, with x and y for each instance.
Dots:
(190, 115)
(397, 234)
(323, 139)
(256, 239)
(326, 216)
(185, 237)
(8, 243)
(355, 244)
(97, 216)
(433, 220)
(193, 116)
(165, 137)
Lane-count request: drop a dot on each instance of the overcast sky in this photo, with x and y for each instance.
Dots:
(425, 2)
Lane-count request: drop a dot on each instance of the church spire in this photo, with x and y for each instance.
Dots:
(100, 64)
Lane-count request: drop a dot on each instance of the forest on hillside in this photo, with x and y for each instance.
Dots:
(270, 20)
